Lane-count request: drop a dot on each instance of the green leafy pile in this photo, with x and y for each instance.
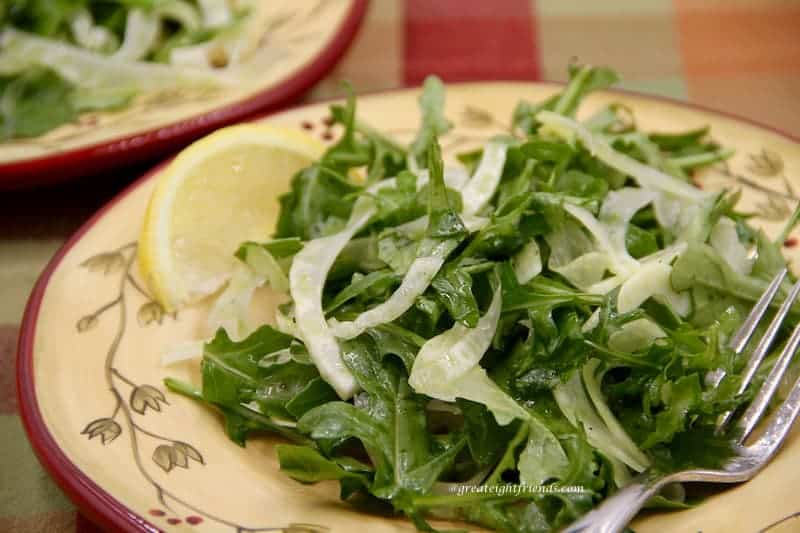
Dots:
(507, 341)
(62, 58)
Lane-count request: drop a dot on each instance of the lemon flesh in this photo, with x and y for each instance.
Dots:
(217, 193)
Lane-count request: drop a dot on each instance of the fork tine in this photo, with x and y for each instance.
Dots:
(759, 404)
(780, 424)
(742, 337)
(761, 349)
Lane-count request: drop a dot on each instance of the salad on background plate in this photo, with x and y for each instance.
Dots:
(103, 82)
(503, 339)
(60, 59)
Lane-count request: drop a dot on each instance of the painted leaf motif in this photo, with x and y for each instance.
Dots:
(766, 163)
(105, 428)
(163, 456)
(178, 457)
(477, 117)
(105, 263)
(189, 451)
(150, 312)
(86, 323)
(145, 396)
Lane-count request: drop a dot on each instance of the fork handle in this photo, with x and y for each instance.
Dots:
(617, 511)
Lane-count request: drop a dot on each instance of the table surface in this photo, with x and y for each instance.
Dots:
(738, 56)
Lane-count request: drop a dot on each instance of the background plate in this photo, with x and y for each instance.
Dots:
(92, 338)
(305, 39)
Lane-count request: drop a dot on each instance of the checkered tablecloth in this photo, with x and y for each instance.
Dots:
(741, 56)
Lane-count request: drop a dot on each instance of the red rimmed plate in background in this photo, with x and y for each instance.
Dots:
(306, 39)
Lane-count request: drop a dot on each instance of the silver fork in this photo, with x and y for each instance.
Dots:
(617, 511)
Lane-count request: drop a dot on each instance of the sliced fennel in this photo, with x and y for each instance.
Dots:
(263, 264)
(652, 280)
(216, 13)
(306, 279)
(576, 406)
(89, 35)
(647, 176)
(88, 69)
(480, 189)
(602, 238)
(230, 310)
(447, 368)
(141, 33)
(527, 262)
(416, 280)
(543, 458)
(585, 262)
(416, 228)
(616, 213)
(725, 240)
(635, 335)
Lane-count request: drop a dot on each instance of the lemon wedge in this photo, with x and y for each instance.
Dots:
(217, 193)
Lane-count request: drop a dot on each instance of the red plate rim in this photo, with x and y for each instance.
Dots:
(89, 160)
(97, 504)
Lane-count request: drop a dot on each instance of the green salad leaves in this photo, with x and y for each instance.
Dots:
(504, 341)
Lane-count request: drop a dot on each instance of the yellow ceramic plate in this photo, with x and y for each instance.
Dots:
(304, 40)
(135, 457)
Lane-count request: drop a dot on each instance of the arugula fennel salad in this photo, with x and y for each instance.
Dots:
(62, 58)
(506, 340)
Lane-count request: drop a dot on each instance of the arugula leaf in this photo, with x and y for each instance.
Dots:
(277, 248)
(385, 157)
(669, 142)
(541, 295)
(230, 369)
(683, 396)
(240, 421)
(443, 222)
(583, 80)
(543, 458)
(307, 465)
(712, 281)
(453, 287)
(486, 438)
(379, 281)
(34, 102)
(434, 123)
(316, 392)
(390, 423)
(349, 151)
(395, 340)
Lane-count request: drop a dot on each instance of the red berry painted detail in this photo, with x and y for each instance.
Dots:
(327, 136)
(194, 520)
(307, 125)
(173, 521)
(157, 512)
(791, 242)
